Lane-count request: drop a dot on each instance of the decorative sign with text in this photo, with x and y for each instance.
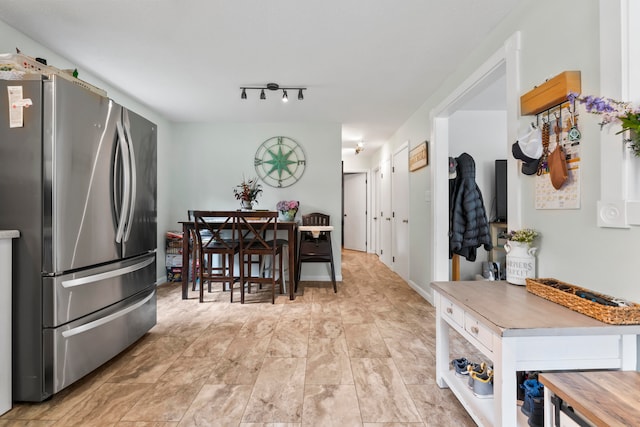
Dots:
(418, 157)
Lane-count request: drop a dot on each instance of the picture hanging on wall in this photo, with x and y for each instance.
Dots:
(418, 157)
(563, 131)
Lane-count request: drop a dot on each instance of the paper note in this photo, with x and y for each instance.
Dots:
(17, 104)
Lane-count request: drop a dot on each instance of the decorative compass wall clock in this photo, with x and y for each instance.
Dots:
(280, 161)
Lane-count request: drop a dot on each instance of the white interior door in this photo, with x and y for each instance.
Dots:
(355, 211)
(400, 220)
(385, 250)
(374, 223)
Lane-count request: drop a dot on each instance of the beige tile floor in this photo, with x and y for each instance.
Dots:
(361, 357)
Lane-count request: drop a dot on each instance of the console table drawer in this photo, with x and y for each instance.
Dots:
(478, 331)
(453, 312)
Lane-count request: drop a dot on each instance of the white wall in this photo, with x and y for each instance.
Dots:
(10, 39)
(572, 247)
(482, 135)
(209, 160)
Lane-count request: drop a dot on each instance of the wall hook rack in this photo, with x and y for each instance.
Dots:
(552, 93)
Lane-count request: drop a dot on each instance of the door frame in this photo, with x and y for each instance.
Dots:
(509, 58)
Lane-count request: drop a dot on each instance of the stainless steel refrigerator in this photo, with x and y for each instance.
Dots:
(78, 179)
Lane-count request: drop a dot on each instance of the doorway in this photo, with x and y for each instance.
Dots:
(505, 63)
(384, 219)
(400, 217)
(354, 227)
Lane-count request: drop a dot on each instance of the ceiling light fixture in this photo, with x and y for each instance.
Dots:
(359, 147)
(273, 87)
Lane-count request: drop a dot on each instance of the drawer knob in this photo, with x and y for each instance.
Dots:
(475, 330)
(449, 310)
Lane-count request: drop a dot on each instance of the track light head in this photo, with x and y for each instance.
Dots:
(300, 96)
(285, 98)
(262, 95)
(244, 94)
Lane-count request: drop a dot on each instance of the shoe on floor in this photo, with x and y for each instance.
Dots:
(460, 366)
(477, 368)
(532, 389)
(483, 384)
(536, 419)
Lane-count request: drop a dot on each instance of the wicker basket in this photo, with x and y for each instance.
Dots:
(565, 294)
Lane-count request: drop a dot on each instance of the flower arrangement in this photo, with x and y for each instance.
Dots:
(526, 235)
(248, 191)
(285, 205)
(614, 112)
(288, 209)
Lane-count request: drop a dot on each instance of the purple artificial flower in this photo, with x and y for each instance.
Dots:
(285, 205)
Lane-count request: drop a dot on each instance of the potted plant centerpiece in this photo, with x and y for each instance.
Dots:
(247, 192)
(521, 260)
(287, 209)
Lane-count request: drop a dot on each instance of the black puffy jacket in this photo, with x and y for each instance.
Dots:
(468, 224)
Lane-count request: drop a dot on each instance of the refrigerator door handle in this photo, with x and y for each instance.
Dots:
(129, 139)
(97, 323)
(124, 209)
(107, 275)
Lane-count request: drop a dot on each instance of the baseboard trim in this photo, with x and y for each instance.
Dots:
(424, 291)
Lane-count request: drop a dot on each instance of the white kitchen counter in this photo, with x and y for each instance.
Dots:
(5, 318)
(519, 331)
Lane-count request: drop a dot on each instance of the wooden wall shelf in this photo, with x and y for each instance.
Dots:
(551, 93)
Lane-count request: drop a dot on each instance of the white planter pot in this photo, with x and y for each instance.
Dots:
(521, 262)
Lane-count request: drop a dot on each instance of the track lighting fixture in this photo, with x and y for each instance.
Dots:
(273, 87)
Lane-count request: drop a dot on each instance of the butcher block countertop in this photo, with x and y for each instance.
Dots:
(605, 398)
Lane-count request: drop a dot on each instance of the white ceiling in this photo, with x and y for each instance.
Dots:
(367, 64)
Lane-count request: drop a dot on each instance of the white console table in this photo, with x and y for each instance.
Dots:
(5, 318)
(519, 331)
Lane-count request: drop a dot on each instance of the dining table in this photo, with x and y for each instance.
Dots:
(291, 227)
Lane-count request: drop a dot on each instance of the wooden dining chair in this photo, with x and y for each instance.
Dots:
(193, 255)
(216, 233)
(315, 249)
(258, 231)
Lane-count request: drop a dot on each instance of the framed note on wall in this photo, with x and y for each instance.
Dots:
(418, 157)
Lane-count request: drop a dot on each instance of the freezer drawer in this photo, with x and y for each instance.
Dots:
(79, 347)
(75, 295)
